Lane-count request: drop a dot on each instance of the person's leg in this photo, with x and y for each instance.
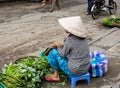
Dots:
(52, 59)
(52, 6)
(57, 63)
(54, 64)
(57, 4)
(90, 4)
(110, 2)
(43, 3)
(62, 63)
(50, 1)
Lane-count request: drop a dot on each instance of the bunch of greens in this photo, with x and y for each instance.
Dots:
(112, 21)
(28, 72)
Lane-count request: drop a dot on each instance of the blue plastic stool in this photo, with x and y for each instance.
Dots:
(74, 79)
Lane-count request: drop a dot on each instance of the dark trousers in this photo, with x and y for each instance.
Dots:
(90, 4)
(55, 2)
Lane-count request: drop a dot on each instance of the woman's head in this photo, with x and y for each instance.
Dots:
(73, 25)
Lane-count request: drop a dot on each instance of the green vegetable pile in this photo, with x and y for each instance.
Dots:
(28, 72)
(112, 21)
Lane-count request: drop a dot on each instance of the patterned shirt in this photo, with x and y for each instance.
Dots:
(76, 49)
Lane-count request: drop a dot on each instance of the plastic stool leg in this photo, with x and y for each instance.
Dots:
(73, 82)
(88, 80)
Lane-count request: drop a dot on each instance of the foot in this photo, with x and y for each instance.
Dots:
(88, 13)
(51, 10)
(58, 9)
(42, 4)
(52, 78)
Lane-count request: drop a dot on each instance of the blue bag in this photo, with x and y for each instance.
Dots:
(99, 64)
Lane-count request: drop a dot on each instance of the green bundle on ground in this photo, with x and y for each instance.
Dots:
(27, 72)
(112, 21)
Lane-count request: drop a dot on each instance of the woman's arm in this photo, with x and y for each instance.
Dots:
(56, 44)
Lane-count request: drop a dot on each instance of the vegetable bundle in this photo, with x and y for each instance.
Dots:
(28, 72)
(112, 21)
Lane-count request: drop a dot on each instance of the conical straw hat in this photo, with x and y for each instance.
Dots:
(74, 25)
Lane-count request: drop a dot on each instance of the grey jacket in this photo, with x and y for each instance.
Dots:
(76, 49)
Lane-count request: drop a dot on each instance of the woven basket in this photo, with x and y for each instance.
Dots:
(25, 58)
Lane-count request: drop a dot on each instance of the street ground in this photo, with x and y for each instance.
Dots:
(26, 29)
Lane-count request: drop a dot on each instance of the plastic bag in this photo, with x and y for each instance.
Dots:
(99, 64)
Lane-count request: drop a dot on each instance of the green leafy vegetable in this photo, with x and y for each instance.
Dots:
(112, 21)
(27, 72)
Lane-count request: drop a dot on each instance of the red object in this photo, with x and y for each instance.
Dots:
(51, 79)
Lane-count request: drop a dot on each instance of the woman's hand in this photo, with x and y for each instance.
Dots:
(56, 44)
